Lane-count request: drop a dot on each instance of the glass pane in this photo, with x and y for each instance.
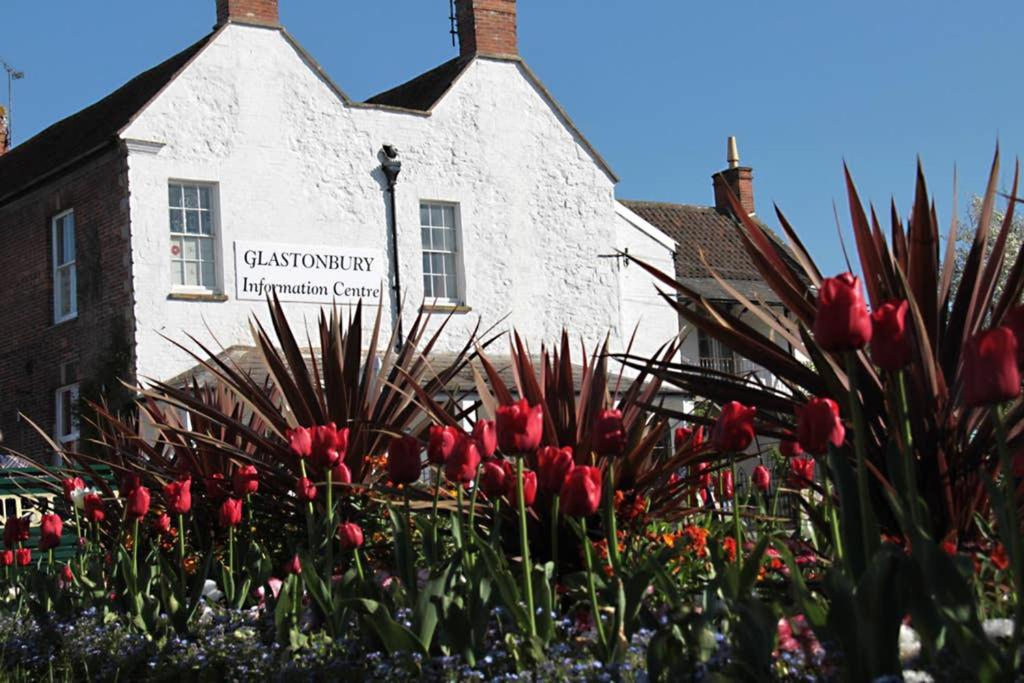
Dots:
(174, 195)
(425, 238)
(438, 239)
(426, 264)
(178, 272)
(452, 283)
(191, 252)
(439, 285)
(206, 223)
(65, 413)
(204, 197)
(177, 221)
(449, 265)
(58, 242)
(65, 292)
(206, 250)
(424, 214)
(69, 238)
(191, 274)
(437, 264)
(449, 216)
(192, 222)
(449, 240)
(192, 197)
(208, 274)
(428, 285)
(435, 216)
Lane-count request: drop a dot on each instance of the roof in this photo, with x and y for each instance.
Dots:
(424, 91)
(90, 129)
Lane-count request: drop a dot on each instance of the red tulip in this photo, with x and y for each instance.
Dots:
(328, 446)
(609, 432)
(486, 435)
(293, 566)
(801, 472)
(50, 529)
(66, 574)
(7, 558)
(16, 530)
(762, 478)
(23, 556)
(529, 485)
(990, 371)
(245, 481)
(94, 508)
(341, 474)
(581, 492)
(443, 441)
(683, 435)
(790, 447)
(735, 428)
(492, 479)
(520, 427)
(725, 487)
(179, 496)
(843, 322)
(698, 436)
(818, 425)
(404, 460)
(300, 441)
(305, 489)
(162, 524)
(127, 483)
(216, 487)
(890, 343)
(553, 465)
(230, 513)
(350, 536)
(71, 485)
(1015, 321)
(702, 473)
(138, 503)
(461, 465)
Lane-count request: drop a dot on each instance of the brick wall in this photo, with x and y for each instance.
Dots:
(487, 27)
(262, 12)
(99, 340)
(740, 181)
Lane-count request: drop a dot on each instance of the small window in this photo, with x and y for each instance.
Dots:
(714, 355)
(193, 237)
(66, 399)
(441, 260)
(65, 277)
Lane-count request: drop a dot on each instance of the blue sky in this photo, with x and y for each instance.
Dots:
(656, 85)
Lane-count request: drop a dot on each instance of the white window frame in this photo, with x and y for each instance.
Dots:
(69, 387)
(456, 252)
(67, 269)
(213, 210)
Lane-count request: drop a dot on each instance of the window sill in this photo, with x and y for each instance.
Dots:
(197, 296)
(64, 321)
(445, 308)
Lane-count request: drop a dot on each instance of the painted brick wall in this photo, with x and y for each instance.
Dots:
(487, 27)
(33, 348)
(264, 12)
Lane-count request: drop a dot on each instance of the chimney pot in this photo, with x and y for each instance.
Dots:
(258, 12)
(737, 179)
(487, 27)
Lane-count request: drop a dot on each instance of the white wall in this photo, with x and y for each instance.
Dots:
(295, 164)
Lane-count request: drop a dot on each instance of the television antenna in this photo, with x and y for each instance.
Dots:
(452, 19)
(12, 75)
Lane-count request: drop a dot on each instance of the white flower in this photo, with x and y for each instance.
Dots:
(998, 629)
(910, 643)
(210, 591)
(78, 497)
(910, 676)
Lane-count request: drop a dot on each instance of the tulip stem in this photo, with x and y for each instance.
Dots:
(472, 499)
(330, 529)
(458, 516)
(909, 472)
(591, 586)
(231, 562)
(181, 550)
(135, 550)
(613, 530)
(737, 527)
(860, 436)
(525, 549)
(554, 531)
(433, 512)
(309, 512)
(359, 565)
(1011, 534)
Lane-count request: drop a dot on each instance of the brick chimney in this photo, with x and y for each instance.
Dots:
(5, 132)
(739, 179)
(259, 12)
(487, 27)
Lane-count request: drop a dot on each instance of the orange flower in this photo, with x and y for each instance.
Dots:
(729, 545)
(696, 539)
(999, 558)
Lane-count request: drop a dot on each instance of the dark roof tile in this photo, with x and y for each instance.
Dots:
(424, 91)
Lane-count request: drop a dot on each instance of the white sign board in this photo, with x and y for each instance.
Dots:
(307, 273)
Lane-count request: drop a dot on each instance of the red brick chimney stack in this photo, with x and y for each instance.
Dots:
(739, 179)
(5, 132)
(259, 12)
(487, 27)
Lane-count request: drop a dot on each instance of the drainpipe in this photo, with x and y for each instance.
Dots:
(391, 166)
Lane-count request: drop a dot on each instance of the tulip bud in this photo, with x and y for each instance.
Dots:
(553, 465)
(293, 566)
(71, 485)
(162, 524)
(23, 556)
(461, 465)
(300, 442)
(341, 474)
(245, 481)
(609, 433)
(725, 485)
(734, 429)
(178, 495)
(762, 478)
(801, 472)
(581, 492)
(890, 343)
(16, 530)
(520, 427)
(138, 503)
(50, 529)
(819, 425)
(492, 479)
(842, 322)
(443, 441)
(990, 373)
(404, 460)
(350, 536)
(230, 514)
(683, 435)
(216, 487)
(486, 435)
(790, 447)
(305, 489)
(7, 558)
